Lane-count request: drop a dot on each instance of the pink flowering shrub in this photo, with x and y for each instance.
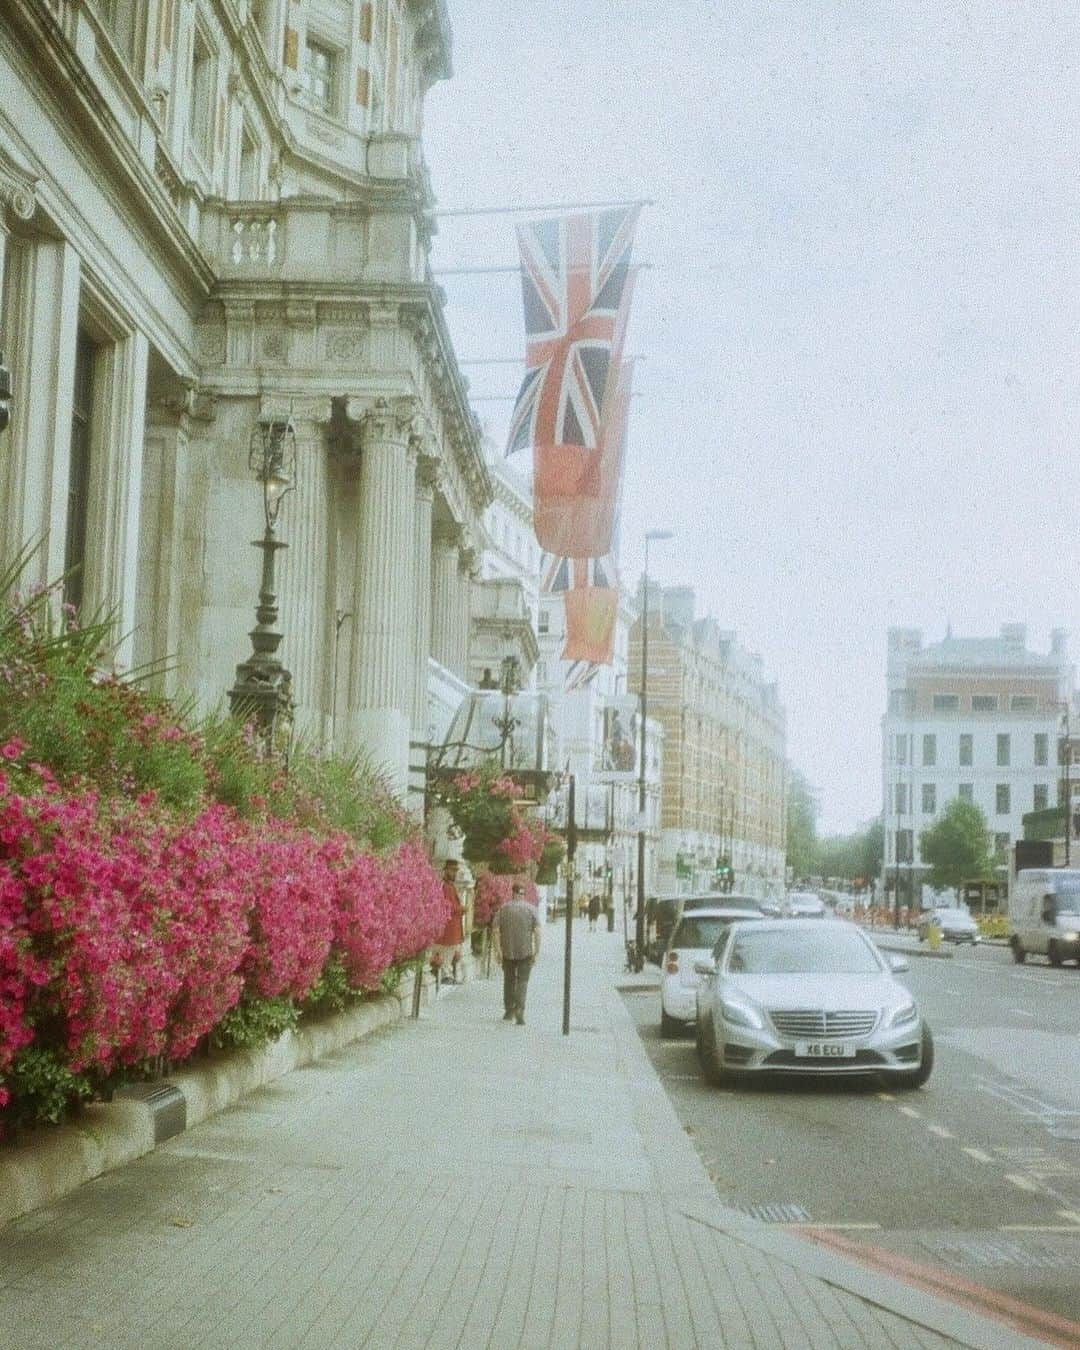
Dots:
(493, 890)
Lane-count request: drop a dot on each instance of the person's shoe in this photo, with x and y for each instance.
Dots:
(519, 1020)
(508, 1017)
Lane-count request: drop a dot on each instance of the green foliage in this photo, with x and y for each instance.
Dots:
(956, 846)
(848, 856)
(802, 838)
(331, 992)
(42, 1087)
(255, 1022)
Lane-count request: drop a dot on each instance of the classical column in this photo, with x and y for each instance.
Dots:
(116, 453)
(444, 593)
(380, 691)
(467, 561)
(41, 325)
(426, 476)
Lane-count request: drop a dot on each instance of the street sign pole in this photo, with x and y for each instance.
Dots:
(571, 850)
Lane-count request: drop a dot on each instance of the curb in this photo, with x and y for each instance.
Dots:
(106, 1135)
(925, 952)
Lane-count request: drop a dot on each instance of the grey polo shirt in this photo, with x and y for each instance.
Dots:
(515, 923)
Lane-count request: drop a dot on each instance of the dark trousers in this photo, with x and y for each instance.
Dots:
(515, 982)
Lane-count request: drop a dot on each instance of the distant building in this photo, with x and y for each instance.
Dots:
(725, 743)
(976, 718)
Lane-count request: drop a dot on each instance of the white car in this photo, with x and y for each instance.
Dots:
(784, 996)
(956, 925)
(693, 938)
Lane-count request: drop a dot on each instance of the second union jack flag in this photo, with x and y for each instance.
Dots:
(576, 284)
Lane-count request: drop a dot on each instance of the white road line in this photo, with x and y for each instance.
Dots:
(1021, 1012)
(978, 1155)
(1038, 1228)
(1025, 1183)
(839, 1227)
(886, 1096)
(910, 1111)
(941, 1131)
(1072, 1215)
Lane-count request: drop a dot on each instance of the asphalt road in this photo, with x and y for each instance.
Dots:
(976, 1177)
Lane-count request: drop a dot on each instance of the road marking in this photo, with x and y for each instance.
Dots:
(1038, 1228)
(886, 1096)
(941, 1131)
(910, 1111)
(1025, 1183)
(1072, 1215)
(1021, 1012)
(978, 1155)
(842, 1227)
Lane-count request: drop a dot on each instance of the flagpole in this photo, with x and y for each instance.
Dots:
(541, 206)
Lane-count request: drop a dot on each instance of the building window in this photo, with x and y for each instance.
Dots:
(900, 701)
(946, 702)
(1042, 749)
(1001, 845)
(905, 846)
(119, 18)
(929, 798)
(1023, 703)
(929, 751)
(1003, 750)
(1003, 796)
(966, 745)
(543, 623)
(984, 703)
(966, 792)
(201, 106)
(900, 798)
(319, 63)
(900, 749)
(78, 496)
(1041, 799)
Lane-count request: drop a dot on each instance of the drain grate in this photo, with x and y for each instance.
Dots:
(776, 1213)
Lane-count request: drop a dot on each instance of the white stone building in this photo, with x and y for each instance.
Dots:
(977, 718)
(214, 212)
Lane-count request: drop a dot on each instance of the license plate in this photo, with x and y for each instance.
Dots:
(823, 1050)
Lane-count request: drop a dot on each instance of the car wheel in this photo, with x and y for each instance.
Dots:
(1017, 950)
(706, 1052)
(668, 1026)
(1053, 954)
(918, 1076)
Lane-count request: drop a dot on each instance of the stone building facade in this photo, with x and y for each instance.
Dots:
(975, 718)
(725, 747)
(212, 213)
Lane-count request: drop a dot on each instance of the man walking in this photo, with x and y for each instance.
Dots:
(515, 931)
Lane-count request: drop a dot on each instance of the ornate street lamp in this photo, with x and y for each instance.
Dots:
(263, 688)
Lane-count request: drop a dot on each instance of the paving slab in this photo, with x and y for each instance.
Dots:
(457, 1181)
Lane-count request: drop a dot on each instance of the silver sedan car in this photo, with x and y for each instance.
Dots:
(785, 996)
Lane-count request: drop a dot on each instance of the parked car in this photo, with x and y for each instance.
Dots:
(956, 925)
(695, 936)
(783, 996)
(663, 912)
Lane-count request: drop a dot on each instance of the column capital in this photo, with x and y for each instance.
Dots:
(18, 190)
(428, 472)
(447, 533)
(395, 418)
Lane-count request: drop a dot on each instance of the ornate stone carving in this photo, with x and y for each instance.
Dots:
(273, 345)
(386, 419)
(18, 191)
(254, 240)
(344, 344)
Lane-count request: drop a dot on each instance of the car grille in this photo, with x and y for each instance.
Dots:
(812, 1025)
(787, 1059)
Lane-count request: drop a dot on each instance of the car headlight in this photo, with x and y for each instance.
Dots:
(899, 1017)
(741, 1014)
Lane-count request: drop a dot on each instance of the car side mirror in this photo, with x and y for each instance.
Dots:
(705, 967)
(898, 964)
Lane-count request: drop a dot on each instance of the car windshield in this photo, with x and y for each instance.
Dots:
(823, 951)
(1068, 896)
(699, 932)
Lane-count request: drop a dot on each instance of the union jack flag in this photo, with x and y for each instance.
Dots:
(590, 591)
(576, 283)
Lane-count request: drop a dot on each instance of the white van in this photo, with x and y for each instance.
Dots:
(1044, 914)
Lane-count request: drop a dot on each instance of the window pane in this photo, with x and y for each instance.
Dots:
(1003, 799)
(965, 748)
(1003, 749)
(78, 496)
(1042, 796)
(1023, 703)
(929, 750)
(1042, 747)
(929, 798)
(946, 702)
(984, 703)
(967, 792)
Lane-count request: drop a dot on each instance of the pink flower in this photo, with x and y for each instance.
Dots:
(13, 749)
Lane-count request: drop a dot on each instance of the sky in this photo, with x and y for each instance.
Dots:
(859, 403)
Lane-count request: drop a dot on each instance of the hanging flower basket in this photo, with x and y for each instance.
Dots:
(547, 871)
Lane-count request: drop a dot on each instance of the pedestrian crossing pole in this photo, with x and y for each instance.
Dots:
(571, 850)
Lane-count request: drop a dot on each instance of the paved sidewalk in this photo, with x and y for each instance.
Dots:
(455, 1182)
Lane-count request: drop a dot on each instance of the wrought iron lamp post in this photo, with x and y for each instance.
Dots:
(263, 688)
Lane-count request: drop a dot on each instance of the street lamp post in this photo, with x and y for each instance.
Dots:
(1065, 721)
(263, 685)
(639, 926)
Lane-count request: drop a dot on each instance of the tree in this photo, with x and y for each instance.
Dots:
(848, 856)
(802, 839)
(956, 846)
